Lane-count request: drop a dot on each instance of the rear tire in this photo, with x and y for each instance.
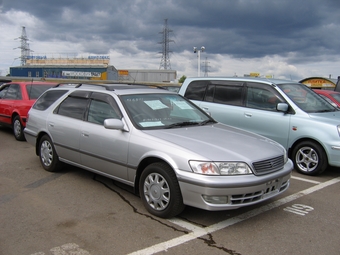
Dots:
(309, 158)
(18, 129)
(159, 191)
(48, 156)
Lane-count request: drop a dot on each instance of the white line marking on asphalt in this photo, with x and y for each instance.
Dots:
(69, 248)
(304, 179)
(198, 231)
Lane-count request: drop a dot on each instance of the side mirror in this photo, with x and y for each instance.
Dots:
(282, 107)
(115, 124)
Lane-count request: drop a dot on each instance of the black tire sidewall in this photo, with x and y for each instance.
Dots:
(55, 165)
(175, 205)
(21, 137)
(322, 164)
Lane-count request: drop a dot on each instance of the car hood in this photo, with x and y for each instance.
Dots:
(327, 117)
(220, 142)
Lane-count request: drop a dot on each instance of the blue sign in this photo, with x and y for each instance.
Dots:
(98, 57)
(36, 57)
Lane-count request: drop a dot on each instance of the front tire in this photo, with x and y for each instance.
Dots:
(159, 191)
(309, 158)
(18, 129)
(48, 156)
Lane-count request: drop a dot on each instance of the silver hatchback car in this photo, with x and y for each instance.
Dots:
(158, 142)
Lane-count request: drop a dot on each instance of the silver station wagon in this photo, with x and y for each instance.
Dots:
(170, 151)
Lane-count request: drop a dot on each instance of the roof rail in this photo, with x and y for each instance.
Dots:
(108, 86)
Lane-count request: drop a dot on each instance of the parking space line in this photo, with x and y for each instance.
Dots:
(199, 231)
(304, 179)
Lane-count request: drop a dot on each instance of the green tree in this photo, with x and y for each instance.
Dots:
(182, 79)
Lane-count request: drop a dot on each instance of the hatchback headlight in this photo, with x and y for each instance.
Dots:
(285, 156)
(220, 168)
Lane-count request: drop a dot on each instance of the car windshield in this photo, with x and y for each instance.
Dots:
(306, 99)
(35, 90)
(152, 111)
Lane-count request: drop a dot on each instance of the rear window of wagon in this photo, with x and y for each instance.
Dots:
(47, 99)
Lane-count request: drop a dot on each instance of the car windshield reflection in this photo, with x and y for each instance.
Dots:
(162, 111)
(306, 99)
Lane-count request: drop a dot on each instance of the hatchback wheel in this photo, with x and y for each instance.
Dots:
(48, 156)
(18, 129)
(160, 192)
(309, 158)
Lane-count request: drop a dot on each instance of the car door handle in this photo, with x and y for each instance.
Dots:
(85, 134)
(206, 109)
(247, 115)
(51, 124)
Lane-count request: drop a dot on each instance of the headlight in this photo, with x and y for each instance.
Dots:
(285, 156)
(220, 168)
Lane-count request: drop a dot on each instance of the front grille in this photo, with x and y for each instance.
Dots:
(274, 188)
(268, 166)
(246, 198)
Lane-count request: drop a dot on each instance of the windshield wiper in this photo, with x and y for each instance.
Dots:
(329, 110)
(206, 122)
(182, 124)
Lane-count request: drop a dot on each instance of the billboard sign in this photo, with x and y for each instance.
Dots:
(80, 74)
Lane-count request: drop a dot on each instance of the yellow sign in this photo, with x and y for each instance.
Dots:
(254, 74)
(123, 72)
(319, 83)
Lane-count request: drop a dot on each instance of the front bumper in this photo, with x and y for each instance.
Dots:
(215, 193)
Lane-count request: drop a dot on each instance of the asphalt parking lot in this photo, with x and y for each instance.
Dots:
(80, 213)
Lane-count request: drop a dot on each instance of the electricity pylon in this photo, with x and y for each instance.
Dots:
(165, 61)
(25, 47)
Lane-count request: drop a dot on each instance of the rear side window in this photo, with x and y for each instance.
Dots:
(196, 90)
(231, 95)
(13, 92)
(47, 99)
(216, 91)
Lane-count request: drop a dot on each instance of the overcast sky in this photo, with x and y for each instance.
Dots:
(289, 39)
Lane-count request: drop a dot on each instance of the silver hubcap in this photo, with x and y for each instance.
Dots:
(307, 159)
(157, 191)
(46, 153)
(17, 128)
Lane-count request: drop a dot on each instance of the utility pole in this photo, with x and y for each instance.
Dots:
(25, 48)
(198, 51)
(165, 61)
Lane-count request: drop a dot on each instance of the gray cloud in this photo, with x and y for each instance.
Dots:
(243, 29)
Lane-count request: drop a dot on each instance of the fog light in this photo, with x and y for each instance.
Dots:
(215, 199)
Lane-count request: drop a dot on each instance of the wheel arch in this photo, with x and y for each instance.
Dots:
(37, 141)
(290, 151)
(142, 165)
(14, 114)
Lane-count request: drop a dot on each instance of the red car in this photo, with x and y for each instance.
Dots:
(331, 95)
(16, 98)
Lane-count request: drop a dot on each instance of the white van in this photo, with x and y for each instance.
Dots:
(284, 111)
